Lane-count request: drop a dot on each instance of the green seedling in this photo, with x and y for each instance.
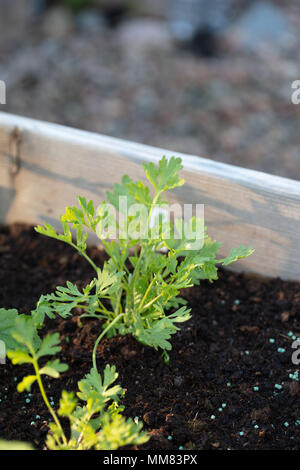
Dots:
(95, 424)
(138, 288)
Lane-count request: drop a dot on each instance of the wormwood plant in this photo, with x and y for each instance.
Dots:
(138, 286)
(96, 422)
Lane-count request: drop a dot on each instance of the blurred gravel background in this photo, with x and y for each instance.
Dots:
(121, 73)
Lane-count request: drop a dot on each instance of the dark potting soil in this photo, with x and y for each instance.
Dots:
(227, 385)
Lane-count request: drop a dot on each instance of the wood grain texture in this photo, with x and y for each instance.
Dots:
(241, 206)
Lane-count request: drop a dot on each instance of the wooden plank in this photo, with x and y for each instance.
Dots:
(241, 205)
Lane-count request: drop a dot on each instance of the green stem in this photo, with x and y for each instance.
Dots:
(45, 398)
(137, 266)
(101, 336)
(89, 260)
(91, 315)
(151, 302)
(101, 310)
(146, 294)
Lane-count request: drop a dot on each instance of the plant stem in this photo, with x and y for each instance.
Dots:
(101, 336)
(45, 398)
(151, 302)
(89, 260)
(146, 294)
(103, 309)
(91, 315)
(141, 256)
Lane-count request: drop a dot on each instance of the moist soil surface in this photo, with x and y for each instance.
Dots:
(227, 386)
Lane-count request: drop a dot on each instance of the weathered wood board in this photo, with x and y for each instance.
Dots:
(241, 206)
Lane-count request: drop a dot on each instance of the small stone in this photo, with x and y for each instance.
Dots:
(285, 317)
(294, 388)
(178, 381)
(128, 352)
(249, 329)
(216, 445)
